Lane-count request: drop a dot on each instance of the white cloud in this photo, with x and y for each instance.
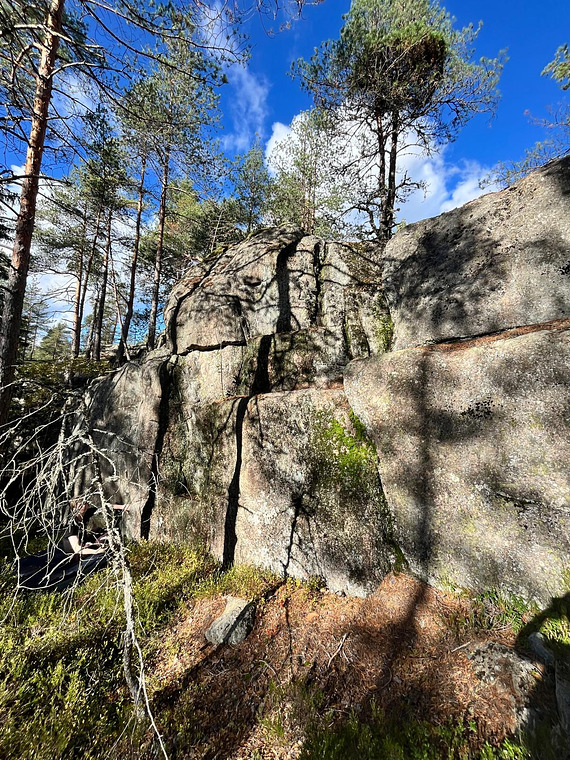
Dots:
(445, 185)
(279, 132)
(448, 186)
(248, 108)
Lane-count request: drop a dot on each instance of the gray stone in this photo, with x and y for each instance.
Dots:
(310, 501)
(284, 361)
(351, 300)
(260, 456)
(235, 623)
(474, 442)
(264, 285)
(124, 410)
(500, 261)
(199, 471)
(537, 645)
(514, 685)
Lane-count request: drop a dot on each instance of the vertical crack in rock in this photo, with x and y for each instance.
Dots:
(319, 257)
(283, 276)
(260, 384)
(165, 374)
(297, 502)
(230, 536)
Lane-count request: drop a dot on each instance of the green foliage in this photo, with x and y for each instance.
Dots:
(406, 738)
(385, 332)
(307, 191)
(559, 67)
(252, 187)
(55, 345)
(557, 126)
(555, 626)
(399, 75)
(40, 382)
(488, 611)
(198, 230)
(300, 707)
(62, 691)
(345, 458)
(245, 581)
(492, 609)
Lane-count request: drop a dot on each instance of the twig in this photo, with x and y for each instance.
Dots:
(338, 650)
(461, 647)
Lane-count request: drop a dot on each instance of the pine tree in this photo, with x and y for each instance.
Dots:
(55, 345)
(399, 75)
(306, 189)
(556, 125)
(252, 186)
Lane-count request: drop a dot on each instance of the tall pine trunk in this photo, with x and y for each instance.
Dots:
(151, 340)
(380, 228)
(89, 267)
(388, 210)
(131, 297)
(16, 287)
(77, 311)
(99, 316)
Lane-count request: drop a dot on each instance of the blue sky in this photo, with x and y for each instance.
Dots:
(264, 94)
(262, 98)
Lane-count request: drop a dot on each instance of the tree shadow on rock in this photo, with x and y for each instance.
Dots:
(547, 638)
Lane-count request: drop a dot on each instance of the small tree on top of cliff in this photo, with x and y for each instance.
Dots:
(399, 77)
(252, 187)
(557, 126)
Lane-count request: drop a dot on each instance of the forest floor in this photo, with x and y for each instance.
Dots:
(408, 673)
(316, 661)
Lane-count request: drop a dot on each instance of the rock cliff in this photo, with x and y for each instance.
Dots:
(337, 409)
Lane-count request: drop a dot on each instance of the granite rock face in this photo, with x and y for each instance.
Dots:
(322, 408)
(498, 262)
(125, 412)
(310, 501)
(276, 386)
(473, 447)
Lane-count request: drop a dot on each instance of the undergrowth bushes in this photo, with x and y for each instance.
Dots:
(62, 688)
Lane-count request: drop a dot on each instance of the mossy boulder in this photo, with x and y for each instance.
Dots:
(474, 442)
(311, 502)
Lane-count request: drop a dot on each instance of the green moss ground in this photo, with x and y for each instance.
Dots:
(62, 691)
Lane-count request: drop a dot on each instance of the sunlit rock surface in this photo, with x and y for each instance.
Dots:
(500, 261)
(451, 453)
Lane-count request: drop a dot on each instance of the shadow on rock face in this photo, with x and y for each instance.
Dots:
(547, 638)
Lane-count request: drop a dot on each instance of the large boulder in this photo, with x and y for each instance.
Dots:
(125, 415)
(280, 282)
(498, 262)
(239, 433)
(264, 285)
(310, 501)
(287, 481)
(474, 442)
